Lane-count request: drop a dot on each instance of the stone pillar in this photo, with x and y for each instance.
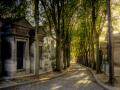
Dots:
(37, 61)
(9, 56)
(8, 51)
(32, 57)
(27, 59)
(40, 54)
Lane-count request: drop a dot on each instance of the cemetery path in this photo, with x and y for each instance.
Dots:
(78, 78)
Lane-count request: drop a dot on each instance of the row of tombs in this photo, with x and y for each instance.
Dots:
(18, 49)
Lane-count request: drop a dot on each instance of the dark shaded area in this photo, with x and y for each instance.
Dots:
(5, 46)
(20, 54)
(32, 36)
(7, 2)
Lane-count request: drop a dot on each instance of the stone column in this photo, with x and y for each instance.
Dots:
(32, 57)
(27, 59)
(40, 54)
(9, 56)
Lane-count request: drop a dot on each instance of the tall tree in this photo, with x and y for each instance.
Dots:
(36, 15)
(58, 15)
(111, 71)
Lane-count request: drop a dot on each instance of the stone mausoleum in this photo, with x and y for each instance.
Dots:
(115, 54)
(18, 49)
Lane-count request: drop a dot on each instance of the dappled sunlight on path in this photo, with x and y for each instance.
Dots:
(77, 78)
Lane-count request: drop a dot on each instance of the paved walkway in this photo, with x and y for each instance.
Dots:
(77, 78)
(103, 78)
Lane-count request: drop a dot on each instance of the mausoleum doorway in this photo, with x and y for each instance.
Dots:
(20, 54)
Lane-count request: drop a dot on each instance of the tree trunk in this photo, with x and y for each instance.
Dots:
(68, 55)
(93, 30)
(58, 55)
(98, 66)
(93, 57)
(86, 56)
(36, 15)
(65, 57)
(111, 68)
(58, 41)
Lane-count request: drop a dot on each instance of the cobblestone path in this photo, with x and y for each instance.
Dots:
(78, 78)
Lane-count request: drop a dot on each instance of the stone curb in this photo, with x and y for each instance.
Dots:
(100, 82)
(34, 81)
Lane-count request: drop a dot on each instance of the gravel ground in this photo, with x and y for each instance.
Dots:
(78, 78)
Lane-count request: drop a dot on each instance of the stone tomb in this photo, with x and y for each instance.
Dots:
(115, 54)
(17, 43)
(19, 50)
(44, 53)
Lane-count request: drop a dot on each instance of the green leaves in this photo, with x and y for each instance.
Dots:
(87, 24)
(10, 9)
